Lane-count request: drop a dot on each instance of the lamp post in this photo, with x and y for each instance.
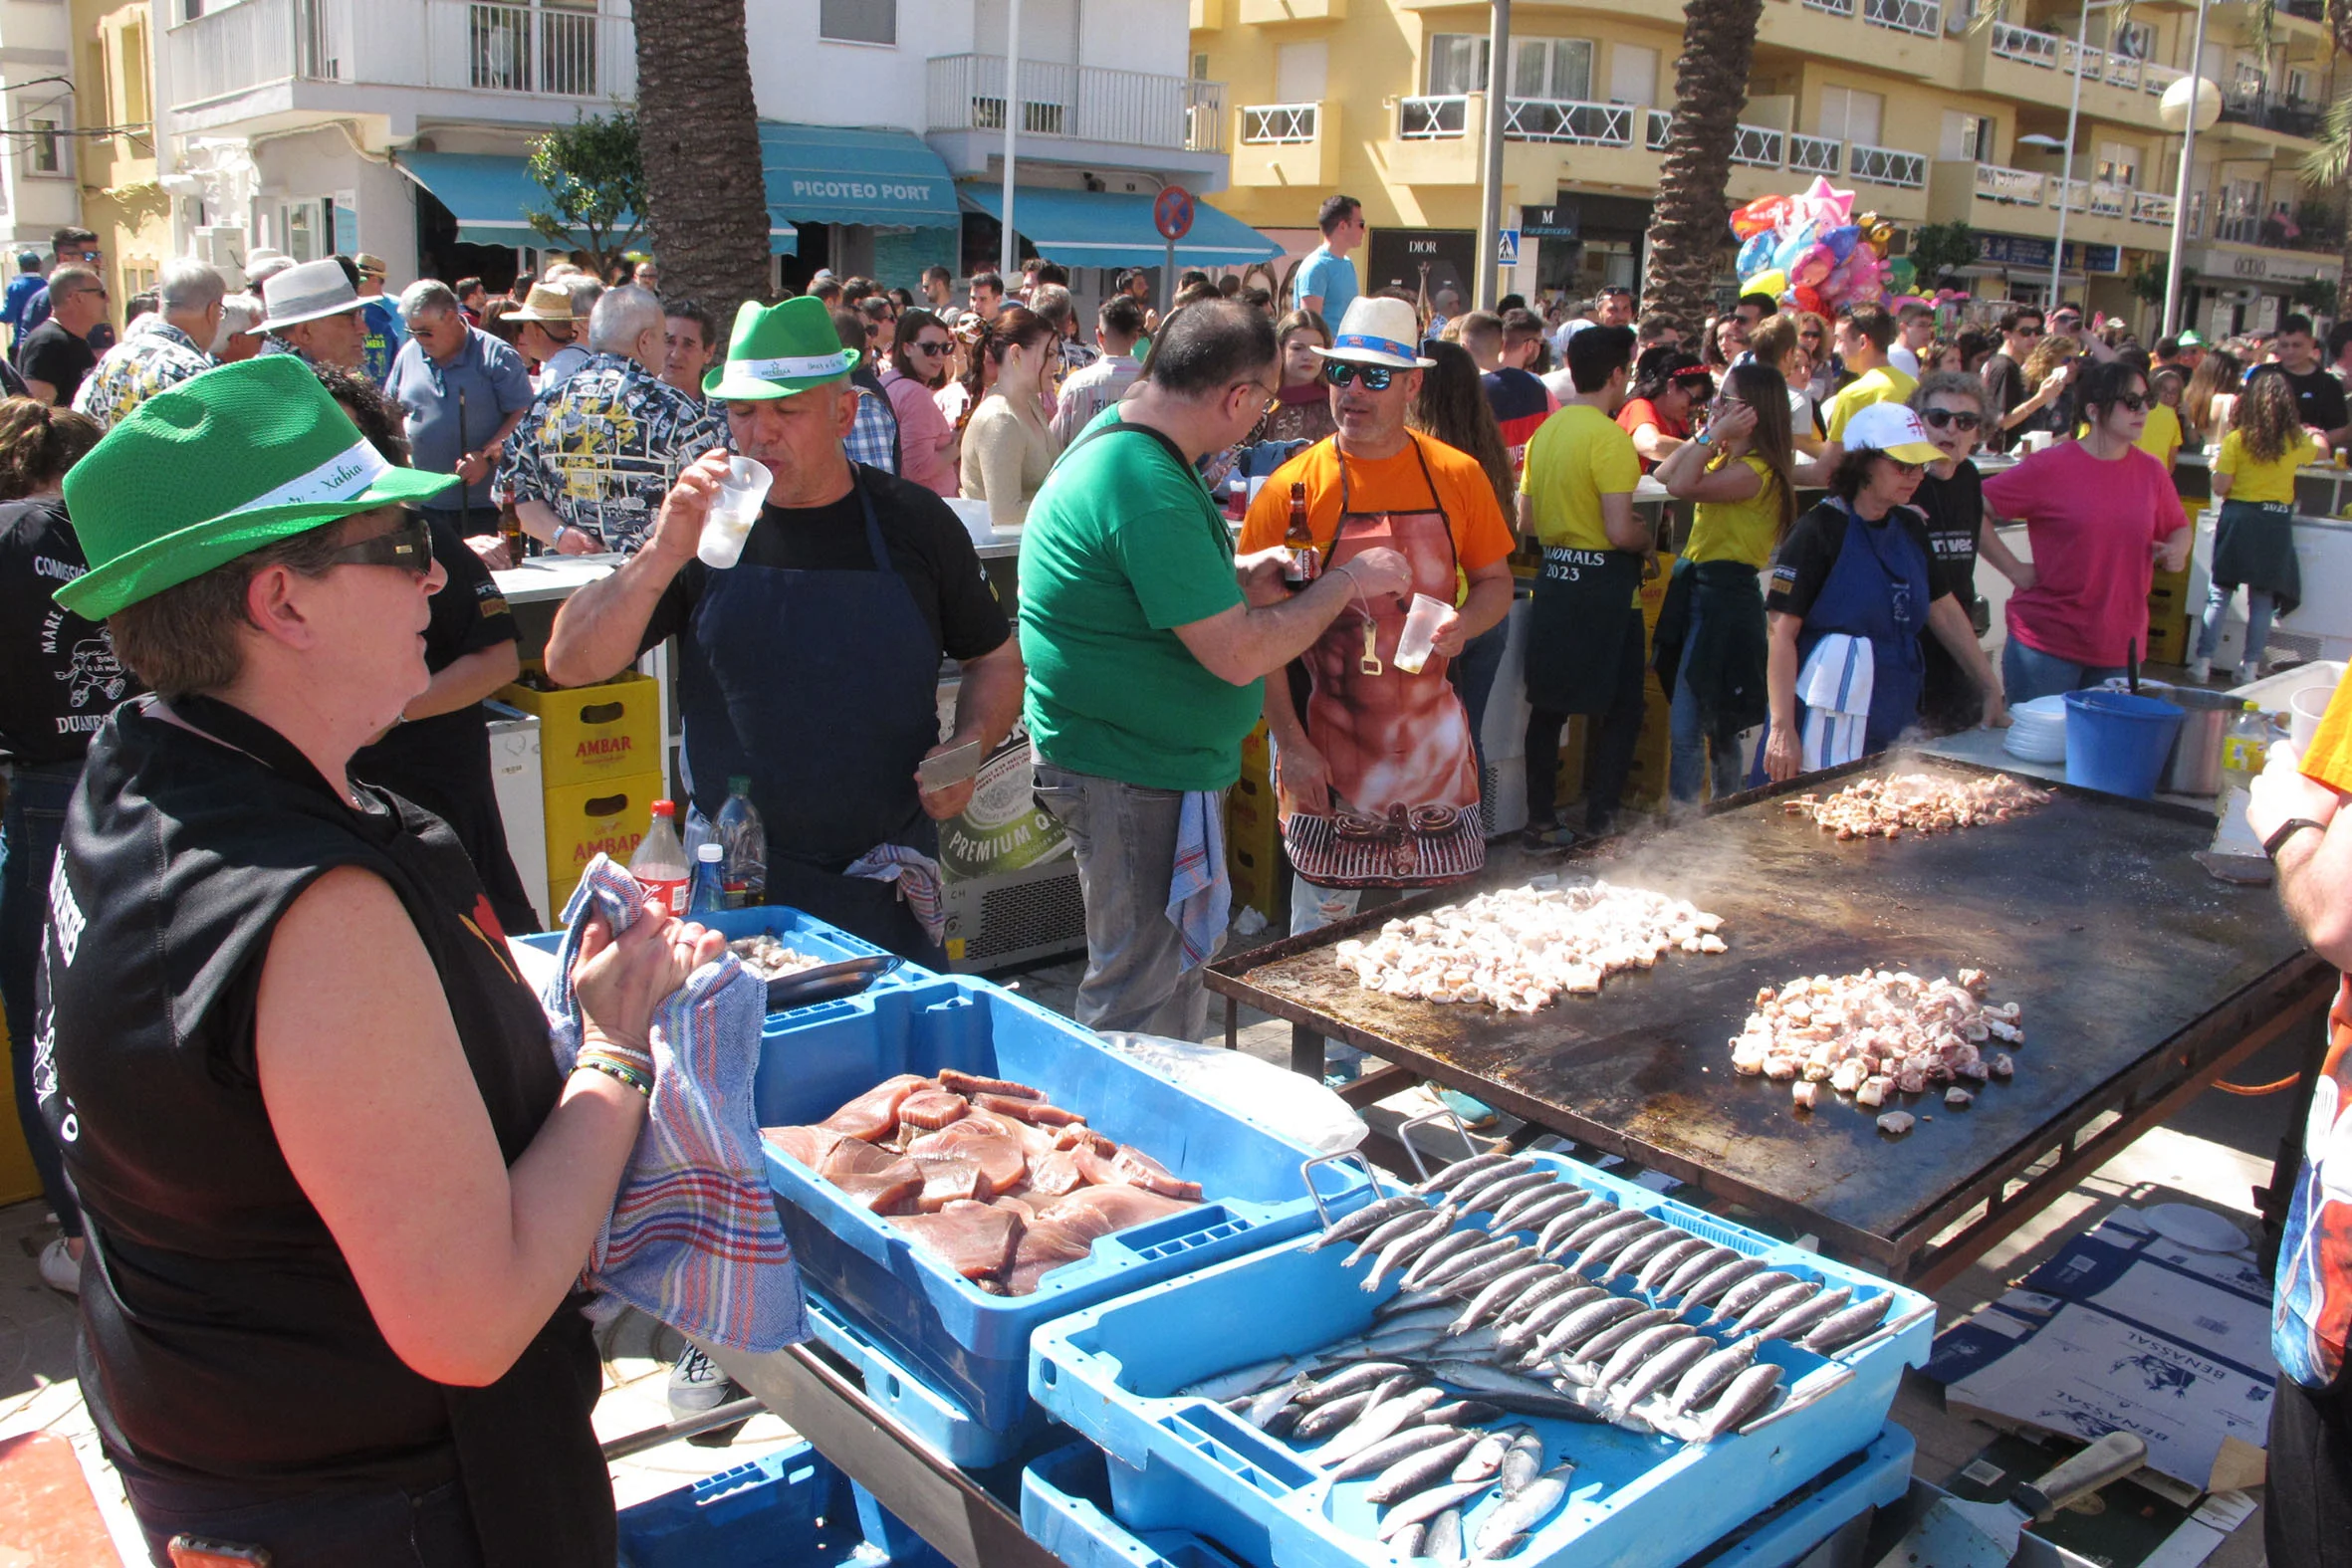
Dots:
(1009, 246)
(1485, 288)
(2196, 104)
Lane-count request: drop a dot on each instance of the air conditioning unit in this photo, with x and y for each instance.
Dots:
(223, 247)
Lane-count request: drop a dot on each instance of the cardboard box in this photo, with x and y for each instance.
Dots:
(608, 731)
(606, 815)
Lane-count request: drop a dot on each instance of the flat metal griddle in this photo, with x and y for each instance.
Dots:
(2134, 968)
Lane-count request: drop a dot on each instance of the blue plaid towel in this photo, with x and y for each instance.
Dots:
(693, 1237)
(1200, 894)
(917, 876)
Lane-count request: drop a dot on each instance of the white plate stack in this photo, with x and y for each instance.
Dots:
(2038, 733)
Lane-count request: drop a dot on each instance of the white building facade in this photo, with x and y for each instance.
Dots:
(39, 175)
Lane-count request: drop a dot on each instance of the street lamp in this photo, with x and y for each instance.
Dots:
(2082, 30)
(2188, 105)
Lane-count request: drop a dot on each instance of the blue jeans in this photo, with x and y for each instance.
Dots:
(1703, 752)
(1125, 838)
(29, 833)
(2027, 673)
(2261, 606)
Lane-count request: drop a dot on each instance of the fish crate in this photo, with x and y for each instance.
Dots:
(941, 1423)
(790, 1509)
(801, 932)
(607, 730)
(965, 1343)
(1112, 1373)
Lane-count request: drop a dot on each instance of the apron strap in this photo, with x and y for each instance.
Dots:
(1437, 501)
(873, 524)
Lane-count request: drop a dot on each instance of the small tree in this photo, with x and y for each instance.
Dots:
(1941, 248)
(595, 184)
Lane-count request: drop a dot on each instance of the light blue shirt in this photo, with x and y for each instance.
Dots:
(1329, 277)
(493, 383)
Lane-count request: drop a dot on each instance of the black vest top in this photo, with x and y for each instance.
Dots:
(224, 1339)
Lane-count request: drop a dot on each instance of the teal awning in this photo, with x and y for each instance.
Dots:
(839, 174)
(1093, 228)
(489, 195)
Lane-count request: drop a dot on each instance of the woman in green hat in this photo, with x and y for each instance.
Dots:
(336, 1194)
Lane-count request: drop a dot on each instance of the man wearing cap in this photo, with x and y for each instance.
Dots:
(314, 315)
(191, 295)
(591, 461)
(463, 392)
(380, 344)
(544, 328)
(1382, 747)
(811, 665)
(1852, 588)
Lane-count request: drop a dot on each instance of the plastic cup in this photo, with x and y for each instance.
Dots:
(1414, 643)
(733, 513)
(2304, 710)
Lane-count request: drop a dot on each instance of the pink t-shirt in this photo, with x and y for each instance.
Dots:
(2091, 524)
(926, 438)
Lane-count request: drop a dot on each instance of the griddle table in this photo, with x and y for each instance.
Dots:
(2142, 980)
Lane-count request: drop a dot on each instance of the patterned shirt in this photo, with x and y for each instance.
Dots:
(1076, 356)
(873, 439)
(148, 359)
(604, 446)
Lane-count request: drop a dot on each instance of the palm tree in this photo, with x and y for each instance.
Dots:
(1687, 225)
(705, 204)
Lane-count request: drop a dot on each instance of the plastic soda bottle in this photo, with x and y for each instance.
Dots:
(707, 893)
(745, 838)
(661, 861)
(2244, 749)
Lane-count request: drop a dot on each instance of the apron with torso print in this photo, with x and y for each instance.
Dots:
(1395, 744)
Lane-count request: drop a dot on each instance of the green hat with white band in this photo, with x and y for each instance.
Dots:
(778, 349)
(215, 468)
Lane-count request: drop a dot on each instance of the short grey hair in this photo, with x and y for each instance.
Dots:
(261, 269)
(584, 292)
(1052, 302)
(188, 285)
(428, 296)
(623, 316)
(239, 313)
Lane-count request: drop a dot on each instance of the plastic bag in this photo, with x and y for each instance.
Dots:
(1290, 1103)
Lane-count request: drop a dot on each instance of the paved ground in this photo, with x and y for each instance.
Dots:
(2216, 1151)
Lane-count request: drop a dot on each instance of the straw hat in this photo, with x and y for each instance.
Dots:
(371, 265)
(308, 292)
(548, 302)
(778, 350)
(1377, 332)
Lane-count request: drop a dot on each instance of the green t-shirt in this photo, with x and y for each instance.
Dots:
(1121, 546)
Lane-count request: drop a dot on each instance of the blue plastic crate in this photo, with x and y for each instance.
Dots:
(795, 929)
(965, 1343)
(944, 1426)
(1874, 1478)
(791, 1509)
(1110, 1372)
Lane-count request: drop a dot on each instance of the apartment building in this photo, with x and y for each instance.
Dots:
(1926, 114)
(116, 172)
(40, 168)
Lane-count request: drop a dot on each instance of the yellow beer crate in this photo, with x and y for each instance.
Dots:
(608, 731)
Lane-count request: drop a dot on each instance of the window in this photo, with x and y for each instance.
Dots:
(857, 21)
(132, 73)
(1457, 62)
(41, 147)
(2298, 85)
(1966, 137)
(1200, 68)
(1560, 69)
(1300, 73)
(1849, 115)
(1633, 75)
(2119, 164)
(2134, 41)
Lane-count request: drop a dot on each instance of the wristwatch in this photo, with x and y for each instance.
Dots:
(2286, 831)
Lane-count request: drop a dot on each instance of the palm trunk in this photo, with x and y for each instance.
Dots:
(1688, 233)
(706, 210)
(2344, 248)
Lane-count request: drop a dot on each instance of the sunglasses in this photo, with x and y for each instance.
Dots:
(1944, 418)
(1810, 336)
(409, 547)
(1374, 376)
(2066, 322)
(2029, 332)
(2137, 402)
(1906, 469)
(930, 347)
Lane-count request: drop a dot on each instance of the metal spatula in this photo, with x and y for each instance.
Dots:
(1956, 1535)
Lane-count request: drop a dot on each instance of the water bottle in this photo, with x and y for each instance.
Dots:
(707, 894)
(745, 838)
(660, 861)
(2245, 748)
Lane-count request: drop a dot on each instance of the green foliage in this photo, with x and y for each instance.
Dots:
(2148, 282)
(1938, 248)
(594, 178)
(2314, 294)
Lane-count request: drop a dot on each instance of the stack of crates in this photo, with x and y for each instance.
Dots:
(1254, 857)
(601, 770)
(2168, 617)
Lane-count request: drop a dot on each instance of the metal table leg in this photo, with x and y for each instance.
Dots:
(1307, 1051)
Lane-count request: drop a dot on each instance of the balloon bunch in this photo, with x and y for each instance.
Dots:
(1813, 252)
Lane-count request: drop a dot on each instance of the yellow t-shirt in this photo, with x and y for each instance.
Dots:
(2256, 481)
(2328, 760)
(1578, 455)
(1886, 385)
(1742, 531)
(2160, 437)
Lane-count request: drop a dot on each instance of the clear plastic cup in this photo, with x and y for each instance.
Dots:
(2304, 710)
(733, 513)
(1422, 620)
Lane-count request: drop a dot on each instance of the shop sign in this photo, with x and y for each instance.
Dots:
(2030, 254)
(1558, 222)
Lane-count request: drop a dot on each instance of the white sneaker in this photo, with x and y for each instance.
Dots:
(2201, 670)
(59, 1268)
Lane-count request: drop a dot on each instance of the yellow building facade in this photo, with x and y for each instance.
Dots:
(121, 199)
(1926, 113)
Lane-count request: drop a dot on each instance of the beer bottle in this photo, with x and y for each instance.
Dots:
(1305, 563)
(509, 529)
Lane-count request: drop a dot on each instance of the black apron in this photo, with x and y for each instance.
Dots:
(2254, 548)
(1576, 627)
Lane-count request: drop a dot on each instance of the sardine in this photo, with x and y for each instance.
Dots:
(1408, 1245)
(1577, 1238)
(1631, 1260)
(1478, 1343)
(1710, 1377)
(1353, 1379)
(1525, 1305)
(1428, 1505)
(1472, 1280)
(1468, 1190)
(1461, 1169)
(1335, 1414)
(1528, 1329)
(1590, 1262)
(1748, 1292)
(1519, 1516)
(1407, 1542)
(1697, 1267)
(1406, 1301)
(1847, 1326)
(1417, 1472)
(1656, 1373)
(1534, 1208)
(1379, 1235)
(1484, 1461)
(1710, 1285)
(1800, 1319)
(1596, 1351)
(1380, 1455)
(1369, 1218)
(1435, 1315)
(1583, 1324)
(1494, 1195)
(1264, 1407)
(1773, 1304)
(1522, 1464)
(1386, 1419)
(1404, 1342)
(1662, 1264)
(1634, 1351)
(1501, 1289)
(1509, 1546)
(1523, 1394)
(1449, 1245)
(1468, 1258)
(1559, 1225)
(1252, 1379)
(1441, 1544)
(1461, 1413)
(1748, 1394)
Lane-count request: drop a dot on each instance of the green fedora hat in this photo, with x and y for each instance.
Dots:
(778, 349)
(217, 467)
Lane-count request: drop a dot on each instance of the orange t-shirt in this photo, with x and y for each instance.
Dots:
(2329, 759)
(1395, 484)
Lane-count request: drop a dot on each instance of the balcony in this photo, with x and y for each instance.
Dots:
(1568, 123)
(2008, 187)
(2025, 63)
(1885, 167)
(2149, 208)
(2263, 111)
(2001, 200)
(270, 64)
(1077, 103)
(1292, 145)
(1922, 17)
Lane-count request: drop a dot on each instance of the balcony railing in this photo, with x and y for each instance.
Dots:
(2053, 53)
(1661, 127)
(1923, 17)
(2289, 116)
(1132, 109)
(1278, 124)
(1573, 122)
(2023, 44)
(1886, 167)
(2108, 199)
(2011, 187)
(1760, 146)
(2149, 208)
(587, 53)
(1834, 7)
(1434, 117)
(1813, 154)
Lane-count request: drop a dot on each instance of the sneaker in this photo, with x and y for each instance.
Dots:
(59, 1268)
(1474, 1114)
(697, 1385)
(2201, 669)
(1547, 836)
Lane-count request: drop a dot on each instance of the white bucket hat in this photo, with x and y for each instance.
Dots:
(308, 293)
(1377, 331)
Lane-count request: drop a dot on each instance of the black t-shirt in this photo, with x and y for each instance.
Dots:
(2004, 390)
(450, 751)
(57, 356)
(63, 678)
(1803, 561)
(1955, 510)
(2320, 398)
(926, 544)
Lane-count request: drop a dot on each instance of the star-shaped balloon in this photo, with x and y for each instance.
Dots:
(1828, 207)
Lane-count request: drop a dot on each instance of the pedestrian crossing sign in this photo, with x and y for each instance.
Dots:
(1507, 248)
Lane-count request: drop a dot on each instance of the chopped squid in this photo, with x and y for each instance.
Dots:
(1877, 1033)
(1916, 803)
(1522, 949)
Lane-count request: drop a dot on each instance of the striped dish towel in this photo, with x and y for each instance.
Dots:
(1200, 894)
(917, 876)
(693, 1237)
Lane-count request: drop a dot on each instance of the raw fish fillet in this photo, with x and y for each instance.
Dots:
(1079, 1134)
(1040, 1113)
(1055, 1174)
(1141, 1170)
(1098, 1169)
(809, 1145)
(1118, 1207)
(892, 1189)
(932, 1109)
(972, 1083)
(976, 1239)
(951, 1178)
(876, 1112)
(1045, 1245)
(854, 1156)
(1012, 1205)
(1002, 1158)
(1034, 1140)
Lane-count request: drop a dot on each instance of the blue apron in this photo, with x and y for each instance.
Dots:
(1878, 591)
(822, 688)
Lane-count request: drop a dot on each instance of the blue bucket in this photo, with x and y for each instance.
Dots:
(2117, 741)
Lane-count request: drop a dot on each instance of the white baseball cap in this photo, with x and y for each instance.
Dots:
(1893, 429)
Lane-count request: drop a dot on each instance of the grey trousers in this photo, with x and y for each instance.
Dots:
(1125, 838)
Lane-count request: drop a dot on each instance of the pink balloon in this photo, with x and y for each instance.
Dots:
(1816, 264)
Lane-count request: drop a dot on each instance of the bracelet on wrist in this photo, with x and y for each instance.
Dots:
(623, 1072)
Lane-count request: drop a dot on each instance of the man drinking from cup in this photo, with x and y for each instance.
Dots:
(811, 665)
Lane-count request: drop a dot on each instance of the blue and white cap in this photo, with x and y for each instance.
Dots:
(1377, 331)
